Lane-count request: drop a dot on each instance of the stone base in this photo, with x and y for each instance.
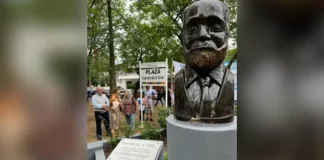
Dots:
(200, 141)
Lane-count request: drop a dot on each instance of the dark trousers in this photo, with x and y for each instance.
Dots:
(157, 101)
(105, 118)
(140, 118)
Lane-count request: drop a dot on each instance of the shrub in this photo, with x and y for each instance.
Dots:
(235, 110)
(162, 115)
(150, 133)
(113, 142)
(171, 110)
(165, 157)
(137, 123)
(127, 130)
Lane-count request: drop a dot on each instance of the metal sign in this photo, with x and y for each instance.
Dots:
(154, 74)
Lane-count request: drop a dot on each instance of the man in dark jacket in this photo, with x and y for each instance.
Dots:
(159, 98)
(169, 98)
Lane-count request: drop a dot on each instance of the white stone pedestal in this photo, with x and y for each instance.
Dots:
(200, 141)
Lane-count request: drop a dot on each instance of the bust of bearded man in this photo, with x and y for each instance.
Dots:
(204, 88)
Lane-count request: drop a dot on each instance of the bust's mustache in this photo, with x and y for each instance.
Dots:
(197, 45)
(205, 55)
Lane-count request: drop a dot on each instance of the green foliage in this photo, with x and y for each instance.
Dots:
(165, 157)
(230, 54)
(162, 115)
(151, 29)
(235, 110)
(232, 5)
(127, 130)
(113, 142)
(137, 123)
(98, 37)
(154, 33)
(131, 86)
(149, 132)
(97, 66)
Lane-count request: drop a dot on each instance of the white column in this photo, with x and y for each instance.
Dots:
(196, 140)
(141, 92)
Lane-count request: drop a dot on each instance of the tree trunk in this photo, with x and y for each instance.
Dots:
(112, 71)
(137, 86)
(89, 58)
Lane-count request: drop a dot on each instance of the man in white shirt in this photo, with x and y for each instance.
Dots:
(100, 104)
(149, 93)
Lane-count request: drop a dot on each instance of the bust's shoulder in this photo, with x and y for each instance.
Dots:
(229, 76)
(179, 75)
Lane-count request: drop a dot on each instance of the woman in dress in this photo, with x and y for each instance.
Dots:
(115, 109)
(129, 107)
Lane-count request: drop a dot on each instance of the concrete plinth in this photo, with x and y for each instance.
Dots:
(200, 141)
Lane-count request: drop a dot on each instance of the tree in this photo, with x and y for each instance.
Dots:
(102, 37)
(151, 31)
(96, 33)
(232, 5)
(147, 41)
(166, 14)
(168, 10)
(112, 71)
(97, 40)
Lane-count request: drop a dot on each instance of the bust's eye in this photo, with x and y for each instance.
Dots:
(192, 29)
(216, 28)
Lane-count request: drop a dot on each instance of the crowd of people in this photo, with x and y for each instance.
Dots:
(109, 110)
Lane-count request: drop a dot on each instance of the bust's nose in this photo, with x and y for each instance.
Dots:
(203, 33)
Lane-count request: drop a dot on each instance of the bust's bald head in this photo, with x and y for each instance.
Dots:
(205, 34)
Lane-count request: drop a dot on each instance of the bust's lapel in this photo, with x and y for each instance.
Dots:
(190, 76)
(217, 74)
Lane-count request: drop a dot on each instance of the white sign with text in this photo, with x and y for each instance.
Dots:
(154, 73)
(136, 149)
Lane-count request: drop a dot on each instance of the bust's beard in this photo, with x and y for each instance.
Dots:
(204, 61)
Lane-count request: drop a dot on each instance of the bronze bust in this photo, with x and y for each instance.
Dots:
(204, 89)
